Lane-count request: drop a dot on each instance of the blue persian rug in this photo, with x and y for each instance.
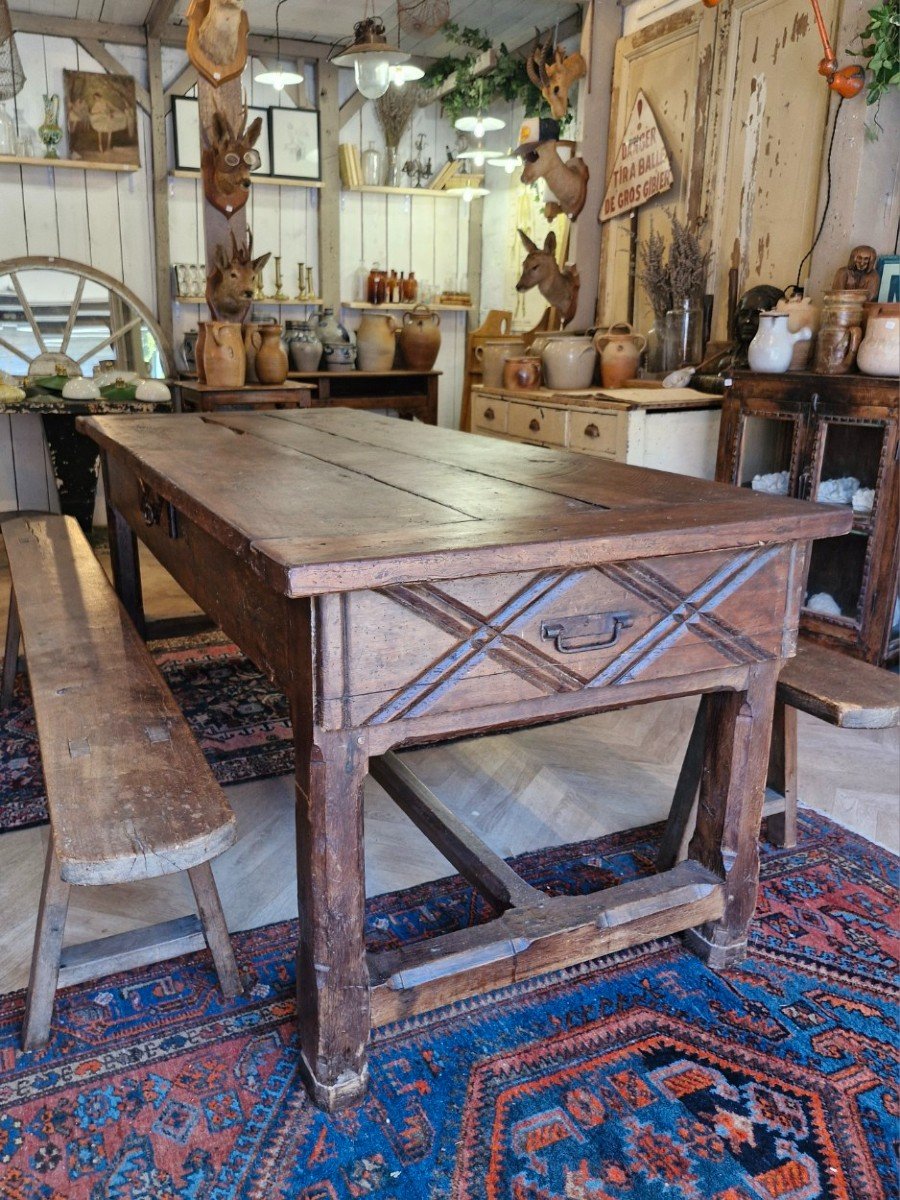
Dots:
(642, 1076)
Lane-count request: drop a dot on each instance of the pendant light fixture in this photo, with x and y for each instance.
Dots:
(508, 161)
(478, 156)
(479, 125)
(278, 79)
(472, 193)
(405, 73)
(371, 57)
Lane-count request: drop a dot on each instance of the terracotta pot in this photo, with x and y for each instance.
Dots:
(620, 353)
(420, 338)
(879, 351)
(224, 361)
(492, 354)
(376, 342)
(252, 343)
(271, 358)
(569, 362)
(198, 351)
(522, 374)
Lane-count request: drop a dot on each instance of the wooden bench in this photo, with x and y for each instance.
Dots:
(129, 792)
(832, 686)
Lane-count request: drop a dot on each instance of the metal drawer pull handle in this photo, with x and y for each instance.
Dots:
(489, 414)
(591, 430)
(595, 631)
(534, 425)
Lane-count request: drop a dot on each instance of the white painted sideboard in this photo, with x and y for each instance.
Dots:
(670, 429)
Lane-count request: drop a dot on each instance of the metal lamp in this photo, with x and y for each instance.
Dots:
(371, 57)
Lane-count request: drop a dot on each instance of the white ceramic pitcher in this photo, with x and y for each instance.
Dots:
(773, 345)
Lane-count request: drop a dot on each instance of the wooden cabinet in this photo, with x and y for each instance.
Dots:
(818, 428)
(675, 430)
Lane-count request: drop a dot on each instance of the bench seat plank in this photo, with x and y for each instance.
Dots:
(111, 733)
(838, 689)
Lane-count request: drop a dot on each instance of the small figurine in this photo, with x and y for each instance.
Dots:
(860, 273)
(540, 270)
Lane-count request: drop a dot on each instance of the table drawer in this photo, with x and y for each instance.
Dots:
(534, 423)
(420, 650)
(489, 413)
(594, 433)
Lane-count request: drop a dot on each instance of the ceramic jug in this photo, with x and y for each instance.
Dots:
(420, 338)
(305, 348)
(252, 343)
(879, 351)
(840, 331)
(272, 363)
(802, 314)
(773, 344)
(492, 354)
(199, 350)
(376, 342)
(224, 361)
(620, 353)
(522, 374)
(569, 362)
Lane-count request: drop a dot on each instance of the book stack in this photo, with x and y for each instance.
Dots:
(350, 165)
(444, 175)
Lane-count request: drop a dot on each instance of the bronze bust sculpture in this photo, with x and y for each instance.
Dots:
(860, 272)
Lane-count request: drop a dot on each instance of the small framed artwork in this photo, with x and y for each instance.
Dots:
(889, 270)
(294, 138)
(186, 132)
(101, 117)
(262, 142)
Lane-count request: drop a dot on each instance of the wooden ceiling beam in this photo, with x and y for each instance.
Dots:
(66, 27)
(158, 16)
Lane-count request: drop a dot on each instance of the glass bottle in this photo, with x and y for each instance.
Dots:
(372, 284)
(393, 287)
(684, 336)
(372, 162)
(412, 289)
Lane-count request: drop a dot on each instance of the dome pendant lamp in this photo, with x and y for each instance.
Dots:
(278, 79)
(371, 57)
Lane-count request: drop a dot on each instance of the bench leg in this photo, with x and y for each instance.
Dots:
(209, 906)
(11, 653)
(782, 827)
(674, 841)
(45, 958)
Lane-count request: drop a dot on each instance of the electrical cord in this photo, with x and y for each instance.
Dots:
(809, 252)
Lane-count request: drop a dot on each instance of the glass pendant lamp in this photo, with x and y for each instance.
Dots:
(371, 57)
(278, 79)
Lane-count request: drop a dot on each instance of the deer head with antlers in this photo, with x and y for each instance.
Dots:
(540, 270)
(229, 289)
(227, 161)
(553, 71)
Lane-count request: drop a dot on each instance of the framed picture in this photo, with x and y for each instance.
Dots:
(294, 138)
(889, 270)
(262, 144)
(101, 117)
(186, 133)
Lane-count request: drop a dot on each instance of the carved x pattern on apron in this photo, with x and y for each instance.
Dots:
(482, 636)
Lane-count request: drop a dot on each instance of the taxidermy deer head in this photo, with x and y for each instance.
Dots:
(566, 180)
(554, 72)
(217, 38)
(229, 289)
(227, 161)
(540, 270)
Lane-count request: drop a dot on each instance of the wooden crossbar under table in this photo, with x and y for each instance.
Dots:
(405, 584)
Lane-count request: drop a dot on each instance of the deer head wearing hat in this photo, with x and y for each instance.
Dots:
(541, 270)
(554, 71)
(566, 180)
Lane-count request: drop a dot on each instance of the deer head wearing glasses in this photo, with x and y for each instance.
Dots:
(566, 180)
(554, 72)
(540, 270)
(227, 161)
(229, 289)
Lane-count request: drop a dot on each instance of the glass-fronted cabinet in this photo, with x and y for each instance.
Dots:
(832, 439)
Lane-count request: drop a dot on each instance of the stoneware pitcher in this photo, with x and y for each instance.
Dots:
(420, 338)
(376, 342)
(492, 353)
(569, 362)
(224, 360)
(773, 346)
(252, 343)
(271, 357)
(802, 314)
(620, 353)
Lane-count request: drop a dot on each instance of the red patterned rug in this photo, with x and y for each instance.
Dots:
(238, 717)
(643, 1076)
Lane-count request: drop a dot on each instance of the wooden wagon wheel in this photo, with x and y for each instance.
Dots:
(15, 267)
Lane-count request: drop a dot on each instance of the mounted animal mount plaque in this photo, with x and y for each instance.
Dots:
(230, 287)
(227, 161)
(217, 38)
(541, 270)
(567, 180)
(554, 71)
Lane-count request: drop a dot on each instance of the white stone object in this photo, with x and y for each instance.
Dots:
(837, 491)
(825, 604)
(80, 389)
(863, 500)
(152, 389)
(775, 484)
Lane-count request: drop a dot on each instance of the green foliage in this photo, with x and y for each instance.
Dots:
(881, 49)
(508, 80)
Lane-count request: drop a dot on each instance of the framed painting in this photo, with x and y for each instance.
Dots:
(294, 138)
(889, 272)
(101, 117)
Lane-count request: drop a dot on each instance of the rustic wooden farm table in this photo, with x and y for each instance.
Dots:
(405, 584)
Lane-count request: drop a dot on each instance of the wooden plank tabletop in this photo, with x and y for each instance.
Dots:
(332, 500)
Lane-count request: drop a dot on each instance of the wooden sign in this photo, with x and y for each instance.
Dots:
(642, 169)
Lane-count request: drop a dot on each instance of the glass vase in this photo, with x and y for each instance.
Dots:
(393, 167)
(684, 336)
(656, 342)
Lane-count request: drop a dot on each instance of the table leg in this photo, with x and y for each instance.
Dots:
(332, 973)
(729, 811)
(123, 554)
(431, 394)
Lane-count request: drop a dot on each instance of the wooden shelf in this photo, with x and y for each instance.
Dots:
(314, 302)
(66, 164)
(372, 190)
(361, 304)
(266, 180)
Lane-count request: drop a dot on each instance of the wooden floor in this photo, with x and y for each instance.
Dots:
(519, 791)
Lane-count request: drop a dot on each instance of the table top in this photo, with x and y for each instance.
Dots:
(335, 500)
(289, 385)
(48, 405)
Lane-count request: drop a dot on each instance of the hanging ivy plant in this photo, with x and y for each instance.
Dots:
(508, 80)
(881, 49)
